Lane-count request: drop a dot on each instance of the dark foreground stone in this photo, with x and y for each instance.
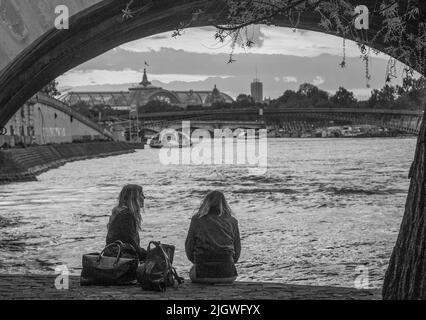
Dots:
(24, 287)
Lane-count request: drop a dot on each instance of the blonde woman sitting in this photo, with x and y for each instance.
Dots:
(213, 243)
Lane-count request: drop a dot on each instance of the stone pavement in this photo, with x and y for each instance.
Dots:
(40, 287)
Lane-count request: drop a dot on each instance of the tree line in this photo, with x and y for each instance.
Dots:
(410, 95)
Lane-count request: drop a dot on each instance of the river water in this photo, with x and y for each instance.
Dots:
(325, 208)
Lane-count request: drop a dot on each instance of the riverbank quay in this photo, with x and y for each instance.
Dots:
(42, 287)
(25, 164)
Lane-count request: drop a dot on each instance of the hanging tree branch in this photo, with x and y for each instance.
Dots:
(399, 24)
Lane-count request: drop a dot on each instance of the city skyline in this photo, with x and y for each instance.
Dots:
(285, 60)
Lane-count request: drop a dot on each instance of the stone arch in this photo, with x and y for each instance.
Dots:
(102, 27)
(207, 128)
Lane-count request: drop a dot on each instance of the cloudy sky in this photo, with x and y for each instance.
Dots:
(284, 59)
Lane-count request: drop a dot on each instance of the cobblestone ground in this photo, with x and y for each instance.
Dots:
(24, 287)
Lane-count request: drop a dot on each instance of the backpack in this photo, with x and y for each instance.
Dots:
(157, 272)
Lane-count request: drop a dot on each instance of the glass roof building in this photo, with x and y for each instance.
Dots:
(145, 92)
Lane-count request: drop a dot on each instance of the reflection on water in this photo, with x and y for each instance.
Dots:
(325, 207)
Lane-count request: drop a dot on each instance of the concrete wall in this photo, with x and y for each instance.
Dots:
(24, 164)
(40, 124)
(53, 126)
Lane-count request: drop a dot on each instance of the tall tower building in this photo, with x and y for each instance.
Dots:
(257, 90)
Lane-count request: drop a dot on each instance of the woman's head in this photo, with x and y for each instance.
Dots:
(214, 203)
(132, 198)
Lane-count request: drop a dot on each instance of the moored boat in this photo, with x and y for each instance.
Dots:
(172, 139)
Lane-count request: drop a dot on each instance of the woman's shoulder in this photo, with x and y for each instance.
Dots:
(224, 218)
(233, 219)
(229, 218)
(120, 214)
(120, 210)
(195, 220)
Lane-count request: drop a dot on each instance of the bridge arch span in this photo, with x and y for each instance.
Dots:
(102, 27)
(150, 131)
(62, 107)
(164, 95)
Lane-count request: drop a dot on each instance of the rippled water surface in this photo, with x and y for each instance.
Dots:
(324, 208)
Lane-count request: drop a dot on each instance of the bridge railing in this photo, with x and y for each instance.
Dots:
(266, 111)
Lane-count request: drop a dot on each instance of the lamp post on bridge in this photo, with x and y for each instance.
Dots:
(262, 115)
(133, 114)
(141, 131)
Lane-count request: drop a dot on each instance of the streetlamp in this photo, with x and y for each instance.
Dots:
(133, 113)
(261, 119)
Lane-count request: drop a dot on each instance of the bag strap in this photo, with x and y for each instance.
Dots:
(156, 244)
(170, 267)
(117, 244)
(134, 251)
(166, 257)
(180, 280)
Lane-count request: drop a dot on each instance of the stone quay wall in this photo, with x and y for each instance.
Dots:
(18, 165)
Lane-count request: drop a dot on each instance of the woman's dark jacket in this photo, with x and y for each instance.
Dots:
(213, 244)
(122, 227)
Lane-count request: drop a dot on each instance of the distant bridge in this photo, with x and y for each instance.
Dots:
(209, 125)
(274, 111)
(43, 120)
(407, 121)
(60, 106)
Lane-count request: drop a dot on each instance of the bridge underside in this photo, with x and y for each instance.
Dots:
(36, 61)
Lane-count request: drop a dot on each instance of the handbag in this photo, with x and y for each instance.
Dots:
(99, 269)
(157, 272)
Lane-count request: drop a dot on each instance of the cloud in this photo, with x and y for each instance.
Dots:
(195, 61)
(185, 70)
(290, 79)
(302, 32)
(252, 33)
(362, 93)
(159, 37)
(318, 81)
(108, 77)
(267, 40)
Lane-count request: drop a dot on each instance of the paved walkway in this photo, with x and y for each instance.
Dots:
(43, 287)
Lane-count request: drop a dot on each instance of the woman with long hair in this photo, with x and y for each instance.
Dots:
(126, 219)
(213, 243)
